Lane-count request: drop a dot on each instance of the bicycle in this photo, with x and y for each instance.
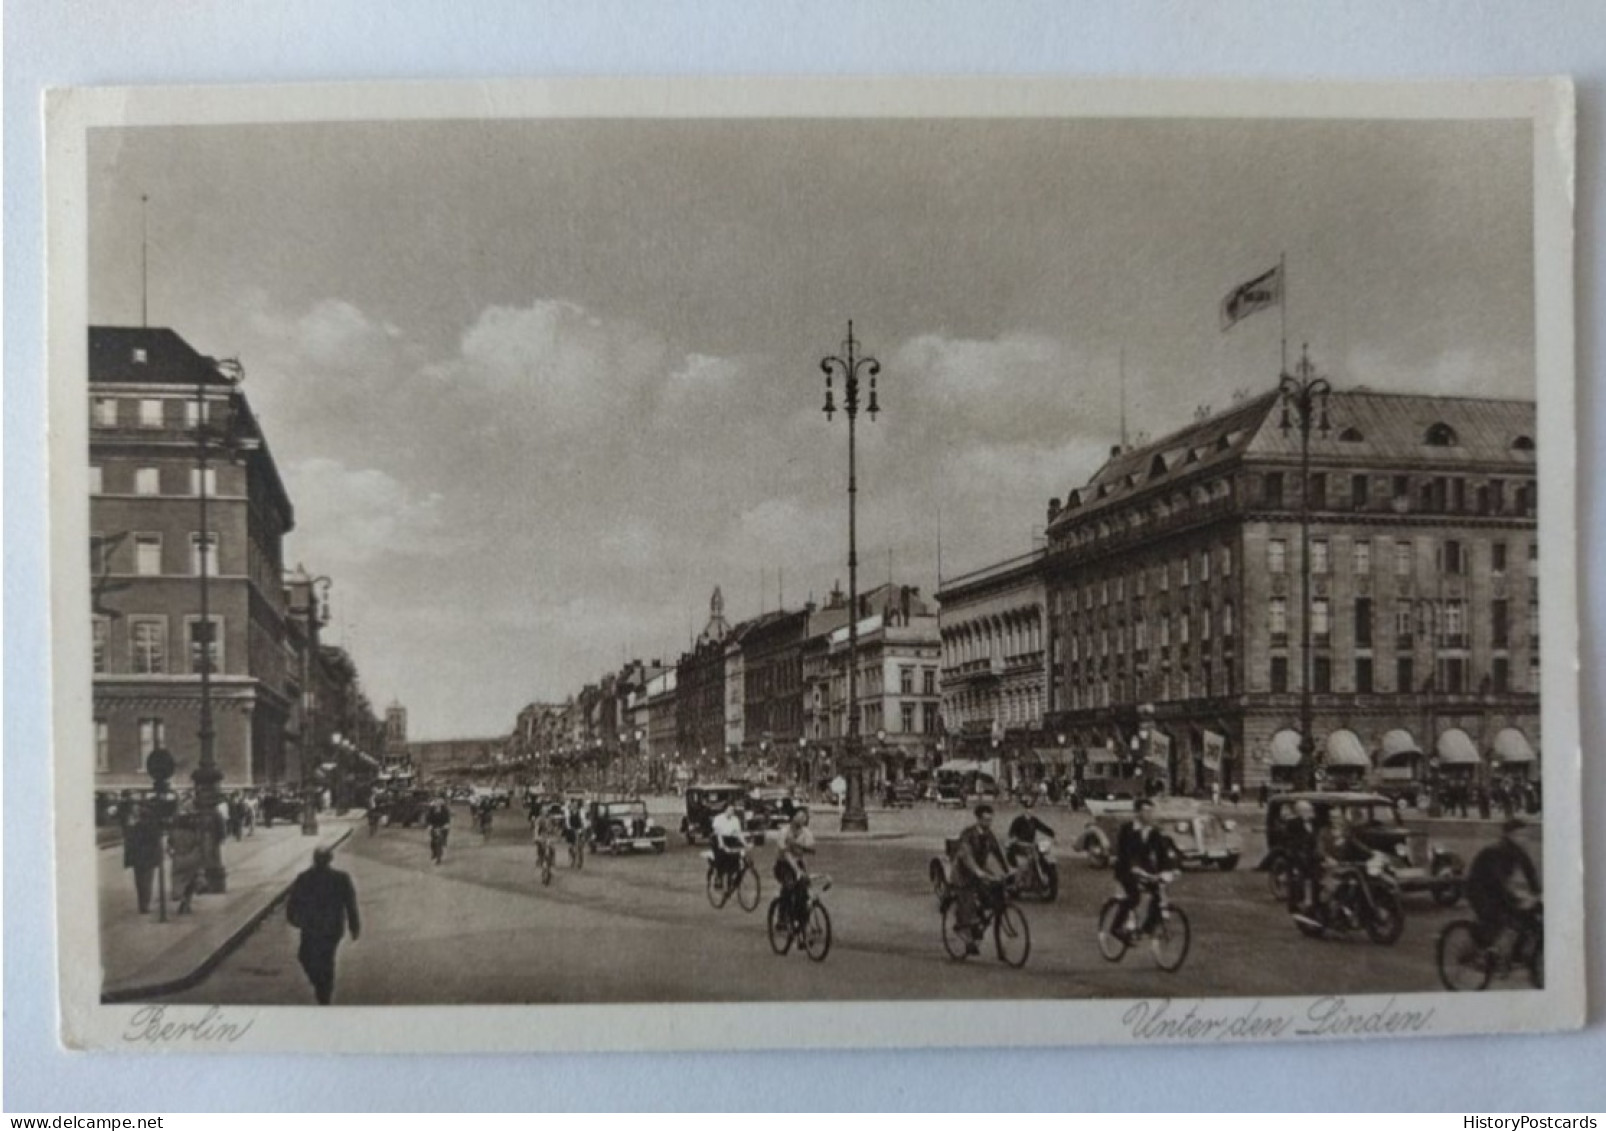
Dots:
(546, 857)
(1465, 963)
(437, 843)
(996, 911)
(812, 928)
(1164, 925)
(722, 882)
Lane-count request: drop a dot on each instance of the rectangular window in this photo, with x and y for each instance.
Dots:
(1204, 625)
(1318, 491)
(97, 555)
(1454, 632)
(1321, 621)
(1321, 674)
(1455, 674)
(1533, 625)
(148, 555)
(147, 645)
(1500, 675)
(1404, 675)
(1277, 622)
(906, 681)
(1204, 566)
(1187, 571)
(1363, 558)
(1402, 558)
(1500, 624)
(1497, 496)
(1139, 581)
(150, 413)
(1273, 488)
(1162, 578)
(195, 412)
(1319, 557)
(1104, 592)
(1226, 621)
(1226, 561)
(211, 481)
(931, 681)
(1458, 495)
(103, 747)
(1363, 622)
(1120, 588)
(1363, 675)
(1277, 556)
(1497, 559)
(102, 634)
(97, 482)
(908, 718)
(1402, 488)
(1533, 560)
(1404, 625)
(152, 733)
(1279, 674)
(1360, 491)
(1453, 558)
(1184, 630)
(105, 412)
(147, 481)
(203, 545)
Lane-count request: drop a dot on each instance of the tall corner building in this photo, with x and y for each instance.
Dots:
(151, 394)
(1174, 585)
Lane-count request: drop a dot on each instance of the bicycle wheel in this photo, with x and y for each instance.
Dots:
(954, 941)
(779, 930)
(748, 888)
(1111, 945)
(817, 935)
(1463, 963)
(1012, 936)
(719, 892)
(1172, 936)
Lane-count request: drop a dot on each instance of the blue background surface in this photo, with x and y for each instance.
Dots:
(67, 42)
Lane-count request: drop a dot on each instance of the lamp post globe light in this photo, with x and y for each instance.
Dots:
(849, 366)
(1304, 407)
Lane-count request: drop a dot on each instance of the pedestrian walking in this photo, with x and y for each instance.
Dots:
(142, 850)
(323, 903)
(184, 846)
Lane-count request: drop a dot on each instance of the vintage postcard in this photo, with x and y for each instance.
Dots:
(767, 563)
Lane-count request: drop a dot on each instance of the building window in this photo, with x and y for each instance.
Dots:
(1277, 611)
(931, 681)
(195, 412)
(908, 718)
(147, 645)
(1497, 559)
(1455, 625)
(105, 412)
(1402, 558)
(1162, 577)
(1187, 571)
(1402, 491)
(1499, 624)
(1226, 621)
(211, 481)
(1320, 560)
(1138, 582)
(1533, 560)
(152, 733)
(1318, 491)
(1321, 674)
(1455, 674)
(1360, 491)
(1277, 556)
(1363, 675)
(1404, 625)
(97, 482)
(1363, 622)
(1533, 625)
(1454, 560)
(102, 628)
(1279, 674)
(1104, 592)
(148, 555)
(1204, 625)
(1441, 435)
(1120, 588)
(1183, 630)
(1363, 558)
(1273, 488)
(103, 747)
(906, 681)
(1321, 622)
(97, 555)
(150, 413)
(1404, 675)
(1500, 675)
(207, 546)
(147, 481)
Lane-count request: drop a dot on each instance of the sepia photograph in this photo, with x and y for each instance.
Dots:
(1101, 554)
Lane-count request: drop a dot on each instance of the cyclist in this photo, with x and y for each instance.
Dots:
(438, 819)
(1141, 853)
(1023, 832)
(796, 842)
(728, 839)
(548, 831)
(482, 813)
(978, 847)
(1491, 886)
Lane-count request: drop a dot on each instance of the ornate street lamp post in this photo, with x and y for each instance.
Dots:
(849, 366)
(1304, 401)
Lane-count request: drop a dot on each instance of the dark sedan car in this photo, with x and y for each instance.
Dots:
(1375, 822)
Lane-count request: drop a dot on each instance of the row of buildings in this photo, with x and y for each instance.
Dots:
(193, 610)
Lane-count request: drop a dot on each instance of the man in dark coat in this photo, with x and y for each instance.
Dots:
(142, 850)
(323, 901)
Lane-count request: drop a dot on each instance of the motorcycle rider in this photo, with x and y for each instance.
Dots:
(438, 819)
(1141, 852)
(978, 846)
(1340, 849)
(1023, 833)
(1491, 887)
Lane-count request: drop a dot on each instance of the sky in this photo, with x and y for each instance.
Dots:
(537, 387)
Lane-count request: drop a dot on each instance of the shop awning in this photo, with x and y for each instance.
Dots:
(1054, 756)
(1455, 748)
(1344, 749)
(1511, 746)
(1398, 745)
(1285, 748)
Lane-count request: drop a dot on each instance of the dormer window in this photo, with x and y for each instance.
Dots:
(1157, 467)
(140, 355)
(1523, 444)
(1441, 435)
(1352, 435)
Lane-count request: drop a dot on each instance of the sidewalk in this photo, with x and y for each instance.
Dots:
(142, 957)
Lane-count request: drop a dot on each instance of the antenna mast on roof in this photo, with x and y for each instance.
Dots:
(1123, 398)
(939, 546)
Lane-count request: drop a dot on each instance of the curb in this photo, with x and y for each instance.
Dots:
(227, 947)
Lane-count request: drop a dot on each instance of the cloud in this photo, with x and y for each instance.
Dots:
(354, 516)
(331, 336)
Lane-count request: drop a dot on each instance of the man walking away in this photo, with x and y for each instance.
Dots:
(323, 901)
(142, 850)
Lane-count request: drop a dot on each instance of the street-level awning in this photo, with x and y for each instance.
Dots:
(1344, 749)
(1455, 748)
(1511, 746)
(1054, 756)
(1398, 746)
(1285, 748)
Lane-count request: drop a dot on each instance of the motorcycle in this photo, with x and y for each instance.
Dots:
(1036, 872)
(1365, 897)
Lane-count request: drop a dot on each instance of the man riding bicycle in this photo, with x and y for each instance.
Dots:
(548, 830)
(1142, 853)
(1493, 893)
(796, 842)
(729, 840)
(438, 819)
(978, 847)
(1024, 831)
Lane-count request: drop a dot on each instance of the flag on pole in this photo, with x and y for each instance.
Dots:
(1257, 294)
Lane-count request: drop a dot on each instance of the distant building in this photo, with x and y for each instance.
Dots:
(458, 757)
(700, 691)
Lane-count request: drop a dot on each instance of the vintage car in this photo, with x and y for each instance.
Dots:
(407, 807)
(1419, 864)
(900, 794)
(280, 806)
(624, 826)
(704, 801)
(775, 806)
(1199, 838)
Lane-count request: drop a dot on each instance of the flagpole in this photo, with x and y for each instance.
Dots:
(1282, 303)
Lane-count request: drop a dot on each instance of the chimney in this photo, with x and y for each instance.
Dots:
(1115, 450)
(1053, 509)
